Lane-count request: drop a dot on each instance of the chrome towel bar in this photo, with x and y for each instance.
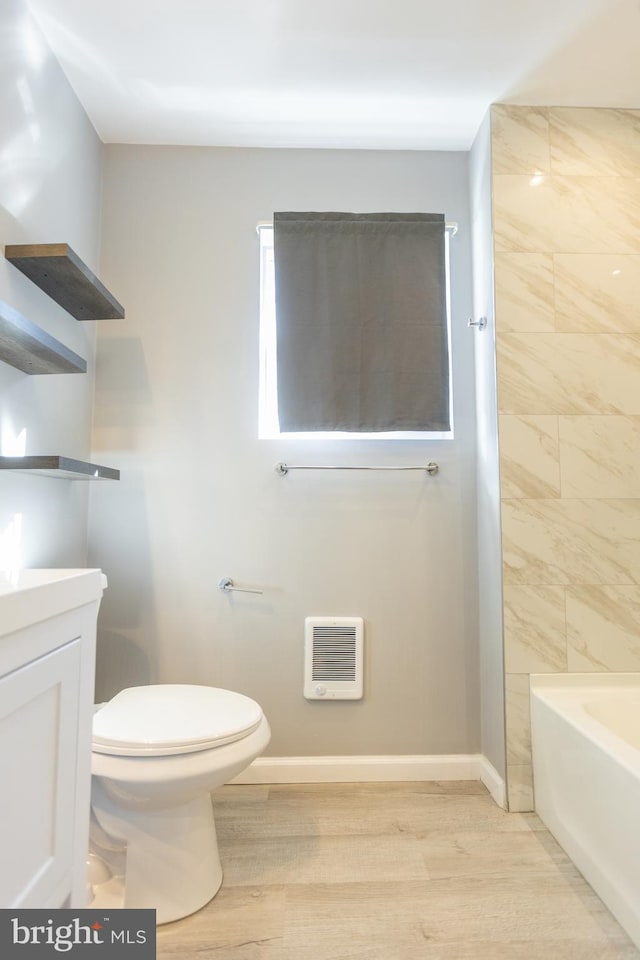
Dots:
(282, 469)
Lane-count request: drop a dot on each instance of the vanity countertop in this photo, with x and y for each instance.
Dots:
(31, 596)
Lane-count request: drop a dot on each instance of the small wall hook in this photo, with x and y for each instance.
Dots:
(480, 324)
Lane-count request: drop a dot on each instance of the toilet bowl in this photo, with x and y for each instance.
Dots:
(157, 753)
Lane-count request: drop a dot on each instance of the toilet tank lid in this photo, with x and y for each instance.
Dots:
(167, 718)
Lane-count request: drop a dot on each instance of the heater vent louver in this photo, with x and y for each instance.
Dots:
(333, 658)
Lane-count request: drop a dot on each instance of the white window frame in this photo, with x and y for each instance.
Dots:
(268, 425)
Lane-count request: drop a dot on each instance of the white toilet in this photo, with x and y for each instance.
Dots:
(158, 751)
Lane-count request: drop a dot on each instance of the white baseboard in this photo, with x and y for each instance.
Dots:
(363, 769)
(493, 782)
(371, 769)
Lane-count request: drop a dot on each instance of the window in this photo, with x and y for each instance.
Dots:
(268, 425)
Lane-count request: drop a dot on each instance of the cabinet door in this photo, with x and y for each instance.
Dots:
(38, 737)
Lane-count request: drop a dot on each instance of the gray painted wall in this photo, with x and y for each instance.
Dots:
(488, 475)
(176, 409)
(50, 172)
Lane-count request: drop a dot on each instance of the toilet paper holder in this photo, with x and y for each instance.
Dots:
(226, 584)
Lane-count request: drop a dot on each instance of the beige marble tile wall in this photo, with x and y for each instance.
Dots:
(566, 210)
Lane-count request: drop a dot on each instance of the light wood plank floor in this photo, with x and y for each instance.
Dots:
(401, 871)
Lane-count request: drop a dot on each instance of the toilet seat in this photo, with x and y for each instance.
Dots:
(168, 719)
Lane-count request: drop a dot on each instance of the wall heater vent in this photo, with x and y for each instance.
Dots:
(333, 654)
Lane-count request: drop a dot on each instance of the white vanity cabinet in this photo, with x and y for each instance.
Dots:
(47, 662)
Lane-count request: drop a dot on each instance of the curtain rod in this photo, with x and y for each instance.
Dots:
(451, 226)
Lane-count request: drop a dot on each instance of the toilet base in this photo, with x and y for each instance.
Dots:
(171, 856)
(108, 895)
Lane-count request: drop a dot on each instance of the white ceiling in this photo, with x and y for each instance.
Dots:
(402, 74)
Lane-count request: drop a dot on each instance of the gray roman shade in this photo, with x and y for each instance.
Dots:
(361, 322)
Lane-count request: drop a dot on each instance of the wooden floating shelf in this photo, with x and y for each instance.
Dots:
(56, 269)
(25, 346)
(62, 468)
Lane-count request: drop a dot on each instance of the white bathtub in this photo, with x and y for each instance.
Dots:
(585, 731)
